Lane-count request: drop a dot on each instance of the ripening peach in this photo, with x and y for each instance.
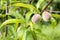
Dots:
(46, 16)
(36, 18)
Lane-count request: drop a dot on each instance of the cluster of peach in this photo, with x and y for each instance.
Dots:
(46, 16)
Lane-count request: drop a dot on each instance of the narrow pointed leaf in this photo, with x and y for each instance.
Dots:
(26, 6)
(11, 21)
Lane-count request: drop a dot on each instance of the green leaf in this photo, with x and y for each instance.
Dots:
(56, 16)
(53, 22)
(34, 35)
(39, 3)
(28, 35)
(20, 32)
(12, 21)
(28, 15)
(26, 6)
(15, 14)
(11, 33)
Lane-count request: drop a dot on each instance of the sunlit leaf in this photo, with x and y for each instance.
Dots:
(11, 21)
(20, 32)
(26, 6)
(39, 3)
(56, 16)
(53, 22)
(28, 15)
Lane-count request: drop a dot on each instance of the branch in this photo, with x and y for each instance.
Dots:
(46, 6)
(53, 11)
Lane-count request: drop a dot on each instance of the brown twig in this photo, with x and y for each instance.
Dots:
(7, 11)
(54, 11)
(50, 1)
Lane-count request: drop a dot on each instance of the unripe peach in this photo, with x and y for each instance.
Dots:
(46, 16)
(36, 18)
